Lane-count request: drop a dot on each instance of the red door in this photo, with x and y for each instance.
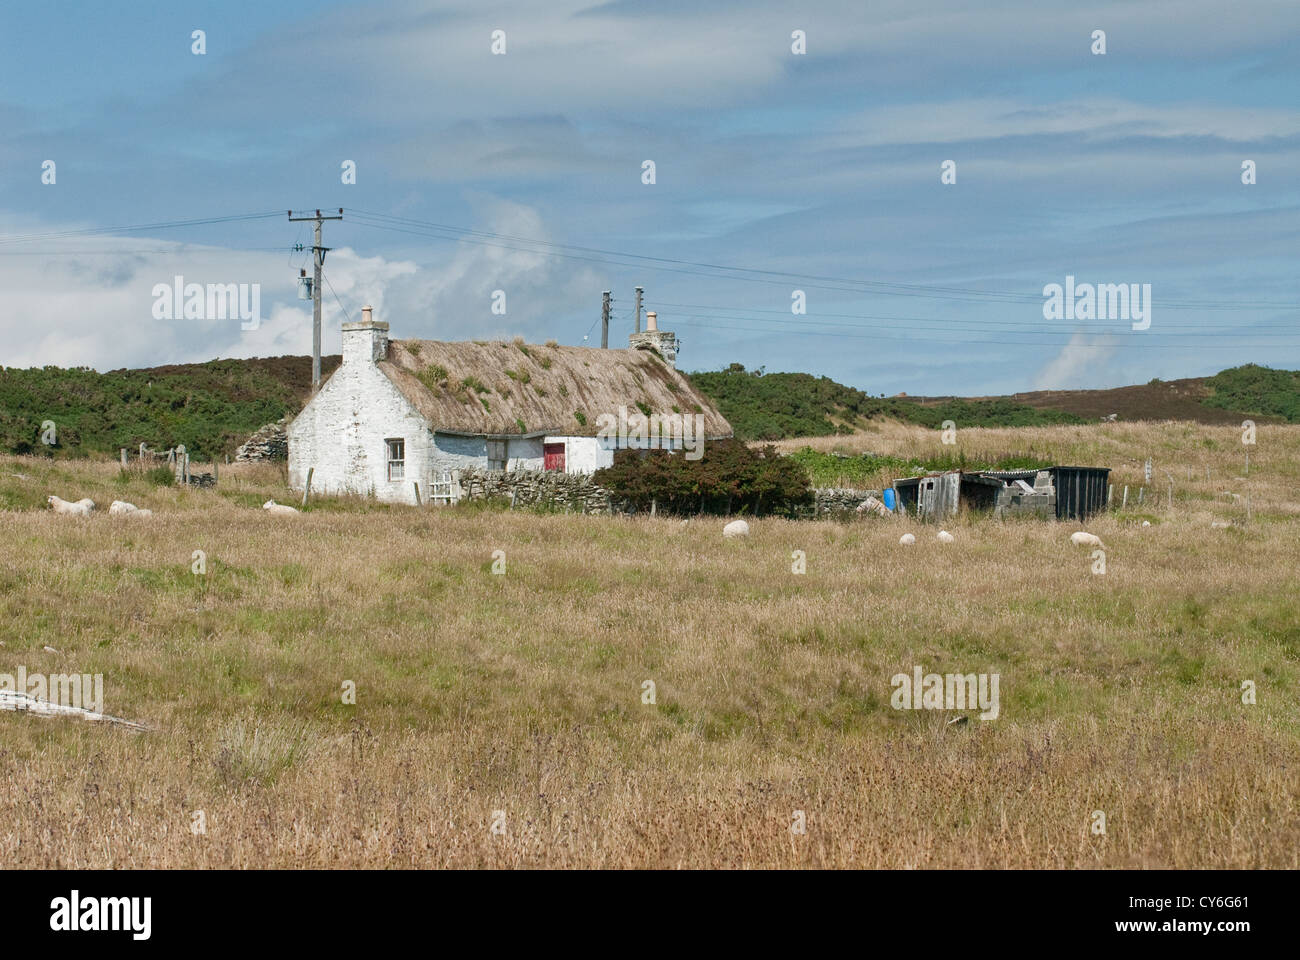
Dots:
(553, 454)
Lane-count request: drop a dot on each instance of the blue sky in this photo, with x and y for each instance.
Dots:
(818, 172)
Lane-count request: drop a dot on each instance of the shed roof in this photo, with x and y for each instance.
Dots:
(544, 387)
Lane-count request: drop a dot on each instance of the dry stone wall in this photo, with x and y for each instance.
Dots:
(829, 500)
(268, 443)
(566, 491)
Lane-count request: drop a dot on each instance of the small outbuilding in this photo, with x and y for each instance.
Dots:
(1065, 493)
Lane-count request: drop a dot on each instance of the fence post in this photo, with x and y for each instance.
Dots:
(1124, 505)
(215, 476)
(417, 492)
(306, 490)
(1141, 492)
(123, 455)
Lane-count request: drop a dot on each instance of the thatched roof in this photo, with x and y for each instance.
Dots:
(492, 387)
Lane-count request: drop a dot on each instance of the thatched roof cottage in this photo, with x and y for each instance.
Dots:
(398, 413)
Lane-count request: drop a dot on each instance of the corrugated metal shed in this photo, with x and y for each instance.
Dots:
(1072, 493)
(1080, 491)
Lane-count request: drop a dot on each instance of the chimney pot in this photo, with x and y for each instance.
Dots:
(651, 321)
(366, 314)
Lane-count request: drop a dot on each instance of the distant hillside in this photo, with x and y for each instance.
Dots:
(213, 407)
(773, 406)
(210, 407)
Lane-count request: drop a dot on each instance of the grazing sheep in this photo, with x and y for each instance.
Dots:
(87, 503)
(1081, 539)
(907, 540)
(1146, 523)
(67, 509)
(142, 512)
(279, 509)
(119, 507)
(945, 537)
(736, 528)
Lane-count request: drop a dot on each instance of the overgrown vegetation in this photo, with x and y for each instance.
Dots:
(209, 407)
(729, 478)
(868, 470)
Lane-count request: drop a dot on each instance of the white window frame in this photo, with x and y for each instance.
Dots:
(395, 445)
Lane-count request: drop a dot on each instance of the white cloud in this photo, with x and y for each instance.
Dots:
(95, 308)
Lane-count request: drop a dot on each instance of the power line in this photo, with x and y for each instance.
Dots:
(929, 291)
(1036, 322)
(162, 225)
(1127, 344)
(998, 326)
(326, 278)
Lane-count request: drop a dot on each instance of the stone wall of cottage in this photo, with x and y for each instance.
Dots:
(340, 435)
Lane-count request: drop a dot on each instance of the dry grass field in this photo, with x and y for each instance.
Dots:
(522, 692)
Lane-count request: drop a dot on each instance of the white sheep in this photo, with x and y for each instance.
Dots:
(87, 503)
(279, 509)
(945, 537)
(907, 540)
(1081, 539)
(60, 506)
(119, 507)
(736, 528)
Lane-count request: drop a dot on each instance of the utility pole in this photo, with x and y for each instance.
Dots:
(639, 291)
(318, 259)
(604, 320)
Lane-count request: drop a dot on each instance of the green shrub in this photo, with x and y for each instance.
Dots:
(729, 478)
(1256, 390)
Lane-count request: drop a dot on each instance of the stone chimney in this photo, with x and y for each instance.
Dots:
(365, 341)
(665, 341)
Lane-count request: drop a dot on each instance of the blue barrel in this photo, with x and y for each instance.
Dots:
(889, 499)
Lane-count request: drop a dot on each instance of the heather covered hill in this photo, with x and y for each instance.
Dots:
(213, 407)
(209, 407)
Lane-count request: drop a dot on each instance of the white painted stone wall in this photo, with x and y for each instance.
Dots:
(585, 454)
(452, 452)
(341, 433)
(589, 454)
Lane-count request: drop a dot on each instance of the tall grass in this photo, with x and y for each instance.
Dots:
(523, 692)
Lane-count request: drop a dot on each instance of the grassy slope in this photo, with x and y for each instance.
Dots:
(522, 692)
